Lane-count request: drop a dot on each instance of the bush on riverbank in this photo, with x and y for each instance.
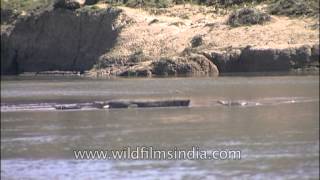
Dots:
(147, 3)
(25, 5)
(247, 16)
(294, 7)
(8, 16)
(228, 3)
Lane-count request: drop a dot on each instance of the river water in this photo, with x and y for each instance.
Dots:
(278, 135)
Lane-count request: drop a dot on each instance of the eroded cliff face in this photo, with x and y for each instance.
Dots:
(253, 59)
(134, 42)
(58, 39)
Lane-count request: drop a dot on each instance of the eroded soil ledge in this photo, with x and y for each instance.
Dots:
(102, 41)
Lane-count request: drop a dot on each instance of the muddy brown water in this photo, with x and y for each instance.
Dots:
(278, 137)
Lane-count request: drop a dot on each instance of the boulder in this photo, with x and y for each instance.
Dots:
(189, 65)
(226, 61)
(260, 60)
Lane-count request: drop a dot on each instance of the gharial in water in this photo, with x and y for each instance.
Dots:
(126, 104)
(233, 103)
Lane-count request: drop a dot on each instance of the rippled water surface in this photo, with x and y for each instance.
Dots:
(277, 132)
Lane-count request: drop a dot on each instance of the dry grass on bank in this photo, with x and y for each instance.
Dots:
(170, 31)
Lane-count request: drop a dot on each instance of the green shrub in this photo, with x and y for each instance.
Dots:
(247, 16)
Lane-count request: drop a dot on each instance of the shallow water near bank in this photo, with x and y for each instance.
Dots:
(278, 137)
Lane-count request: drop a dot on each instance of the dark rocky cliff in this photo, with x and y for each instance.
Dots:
(252, 59)
(58, 39)
(63, 38)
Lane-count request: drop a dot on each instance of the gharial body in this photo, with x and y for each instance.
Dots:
(237, 103)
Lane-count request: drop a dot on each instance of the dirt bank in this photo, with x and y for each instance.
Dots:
(58, 39)
(282, 44)
(190, 39)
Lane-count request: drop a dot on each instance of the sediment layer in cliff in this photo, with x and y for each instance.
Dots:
(255, 59)
(58, 39)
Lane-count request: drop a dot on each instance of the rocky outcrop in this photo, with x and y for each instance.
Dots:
(189, 65)
(226, 61)
(58, 40)
(252, 59)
